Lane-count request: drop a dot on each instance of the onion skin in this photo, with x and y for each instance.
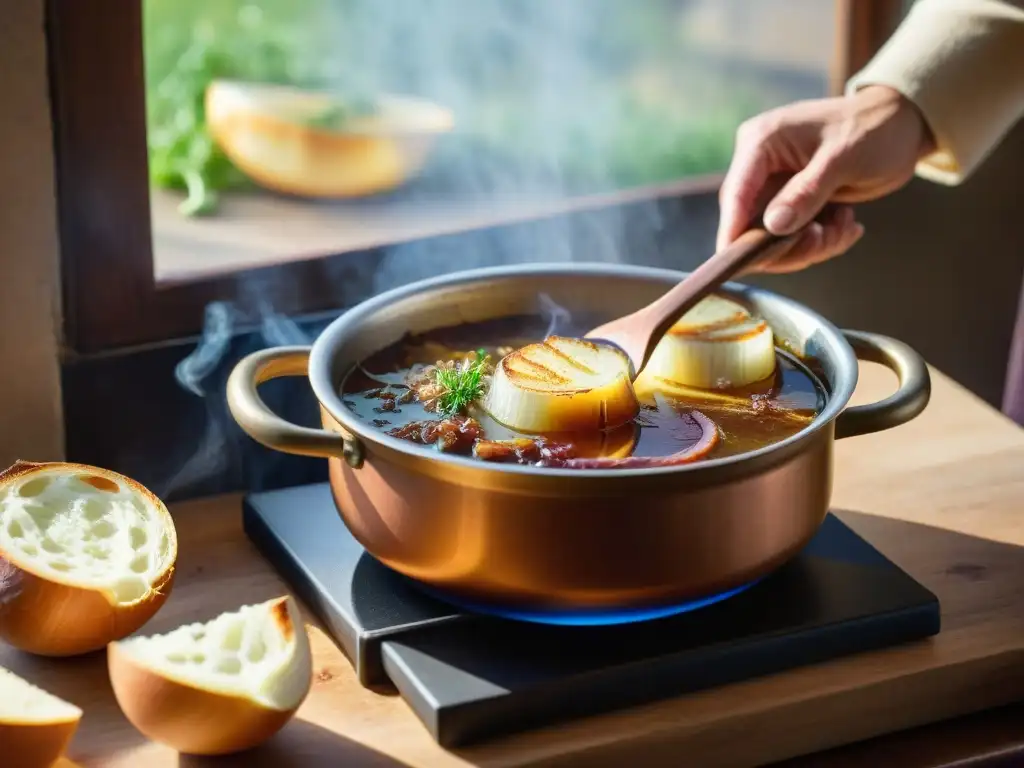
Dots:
(189, 719)
(35, 745)
(193, 719)
(48, 618)
(38, 734)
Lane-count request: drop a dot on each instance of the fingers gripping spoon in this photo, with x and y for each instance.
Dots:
(638, 333)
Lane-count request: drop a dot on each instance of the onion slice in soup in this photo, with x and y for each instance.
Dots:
(700, 427)
(698, 432)
(716, 345)
(562, 385)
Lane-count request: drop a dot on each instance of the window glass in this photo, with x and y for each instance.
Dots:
(291, 128)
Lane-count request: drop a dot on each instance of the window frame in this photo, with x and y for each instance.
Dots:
(110, 297)
(862, 27)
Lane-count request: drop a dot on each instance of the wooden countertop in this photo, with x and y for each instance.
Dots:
(943, 497)
(259, 229)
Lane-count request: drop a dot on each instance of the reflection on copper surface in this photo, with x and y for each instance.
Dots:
(646, 544)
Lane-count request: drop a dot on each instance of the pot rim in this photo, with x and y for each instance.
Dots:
(322, 355)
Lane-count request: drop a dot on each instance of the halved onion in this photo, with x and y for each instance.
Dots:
(219, 687)
(86, 557)
(562, 385)
(716, 345)
(35, 726)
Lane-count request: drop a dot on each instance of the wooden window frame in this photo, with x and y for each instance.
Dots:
(110, 297)
(862, 26)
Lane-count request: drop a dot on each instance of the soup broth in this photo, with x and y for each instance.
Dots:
(397, 392)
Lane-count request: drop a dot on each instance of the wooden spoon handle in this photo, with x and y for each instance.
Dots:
(751, 246)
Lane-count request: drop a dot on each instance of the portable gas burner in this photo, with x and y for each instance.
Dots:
(469, 675)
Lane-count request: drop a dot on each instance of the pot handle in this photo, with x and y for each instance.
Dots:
(904, 404)
(266, 427)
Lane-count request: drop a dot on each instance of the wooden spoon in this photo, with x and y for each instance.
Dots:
(637, 334)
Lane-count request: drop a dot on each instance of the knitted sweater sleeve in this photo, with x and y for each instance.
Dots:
(962, 63)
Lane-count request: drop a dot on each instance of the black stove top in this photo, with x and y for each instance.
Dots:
(470, 677)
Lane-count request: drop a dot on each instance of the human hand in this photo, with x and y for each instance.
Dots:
(794, 161)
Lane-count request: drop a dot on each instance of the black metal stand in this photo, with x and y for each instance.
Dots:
(470, 677)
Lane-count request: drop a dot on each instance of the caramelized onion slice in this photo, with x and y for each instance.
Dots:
(562, 385)
(648, 387)
(716, 345)
(452, 435)
(706, 438)
(701, 434)
(521, 450)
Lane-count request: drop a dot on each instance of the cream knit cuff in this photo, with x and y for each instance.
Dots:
(962, 63)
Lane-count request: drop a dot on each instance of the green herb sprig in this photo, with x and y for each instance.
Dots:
(461, 384)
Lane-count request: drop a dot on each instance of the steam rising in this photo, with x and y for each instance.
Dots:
(549, 102)
(217, 449)
(210, 457)
(217, 331)
(558, 316)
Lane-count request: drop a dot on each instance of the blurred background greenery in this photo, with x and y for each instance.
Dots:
(573, 95)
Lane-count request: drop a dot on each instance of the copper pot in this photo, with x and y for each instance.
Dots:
(525, 538)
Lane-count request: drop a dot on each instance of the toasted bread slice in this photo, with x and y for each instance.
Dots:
(309, 143)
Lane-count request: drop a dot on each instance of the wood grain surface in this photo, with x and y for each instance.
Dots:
(943, 497)
(259, 229)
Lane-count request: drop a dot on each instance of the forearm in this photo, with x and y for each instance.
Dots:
(961, 62)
